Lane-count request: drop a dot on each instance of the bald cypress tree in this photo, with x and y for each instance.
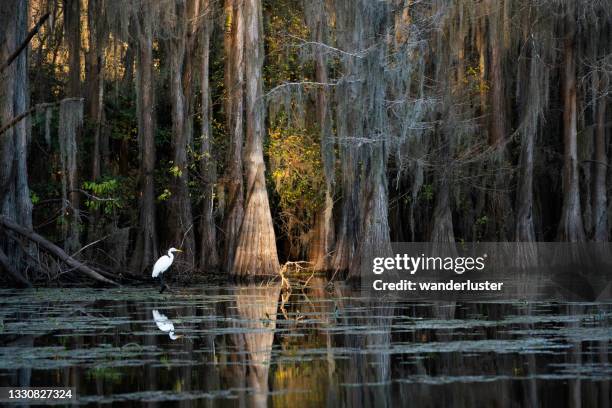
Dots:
(256, 250)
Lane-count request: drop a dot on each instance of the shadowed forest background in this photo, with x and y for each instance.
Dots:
(250, 133)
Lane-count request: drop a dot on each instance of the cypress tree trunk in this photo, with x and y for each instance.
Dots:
(362, 133)
(180, 216)
(95, 79)
(570, 226)
(525, 231)
(147, 245)
(600, 201)
(322, 244)
(72, 34)
(208, 254)
(256, 251)
(442, 230)
(15, 200)
(234, 84)
(500, 199)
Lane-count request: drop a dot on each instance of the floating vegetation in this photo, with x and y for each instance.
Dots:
(250, 343)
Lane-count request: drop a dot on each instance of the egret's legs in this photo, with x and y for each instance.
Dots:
(162, 285)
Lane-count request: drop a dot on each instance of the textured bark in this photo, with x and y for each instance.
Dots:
(71, 123)
(147, 244)
(180, 216)
(362, 129)
(496, 77)
(14, 100)
(600, 201)
(570, 226)
(209, 258)
(499, 196)
(525, 231)
(234, 84)
(95, 80)
(442, 230)
(5, 264)
(72, 34)
(256, 250)
(323, 241)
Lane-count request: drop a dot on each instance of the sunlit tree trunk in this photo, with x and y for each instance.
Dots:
(570, 226)
(180, 217)
(234, 107)
(208, 255)
(256, 250)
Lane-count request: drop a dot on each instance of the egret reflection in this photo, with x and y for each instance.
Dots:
(164, 324)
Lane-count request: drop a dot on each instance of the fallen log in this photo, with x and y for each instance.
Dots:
(54, 250)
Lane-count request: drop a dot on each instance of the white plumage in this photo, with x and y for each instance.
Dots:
(164, 324)
(164, 262)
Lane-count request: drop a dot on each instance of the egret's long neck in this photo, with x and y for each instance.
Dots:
(170, 255)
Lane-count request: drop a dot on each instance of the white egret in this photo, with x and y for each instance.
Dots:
(162, 264)
(164, 324)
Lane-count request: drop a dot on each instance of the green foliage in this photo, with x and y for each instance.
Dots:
(34, 198)
(102, 195)
(427, 192)
(297, 173)
(165, 195)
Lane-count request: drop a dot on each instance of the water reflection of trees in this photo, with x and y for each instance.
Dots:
(244, 353)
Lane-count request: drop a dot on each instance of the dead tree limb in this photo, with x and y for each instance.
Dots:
(25, 42)
(6, 265)
(54, 250)
(27, 113)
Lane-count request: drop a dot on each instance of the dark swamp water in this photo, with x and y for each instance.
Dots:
(255, 346)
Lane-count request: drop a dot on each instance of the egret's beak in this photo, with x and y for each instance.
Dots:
(179, 250)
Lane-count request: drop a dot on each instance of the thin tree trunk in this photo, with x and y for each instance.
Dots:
(570, 226)
(323, 242)
(256, 251)
(147, 245)
(442, 230)
(95, 82)
(234, 84)
(500, 199)
(72, 35)
(600, 202)
(180, 216)
(525, 231)
(209, 258)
